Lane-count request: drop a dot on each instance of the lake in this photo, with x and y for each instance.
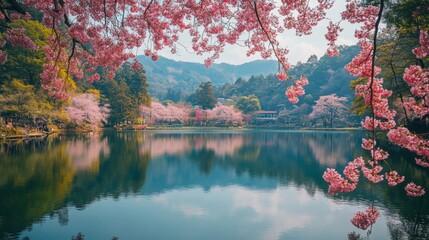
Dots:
(202, 184)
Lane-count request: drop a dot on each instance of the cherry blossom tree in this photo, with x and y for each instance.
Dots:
(225, 115)
(158, 113)
(104, 33)
(86, 112)
(329, 108)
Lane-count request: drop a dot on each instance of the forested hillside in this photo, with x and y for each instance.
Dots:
(167, 77)
(326, 75)
(175, 80)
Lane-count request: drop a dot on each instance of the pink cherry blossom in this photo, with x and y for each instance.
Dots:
(337, 183)
(17, 37)
(282, 76)
(368, 144)
(414, 190)
(422, 162)
(423, 50)
(363, 220)
(86, 111)
(332, 36)
(393, 178)
(372, 173)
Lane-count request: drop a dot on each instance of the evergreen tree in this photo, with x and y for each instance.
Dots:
(205, 96)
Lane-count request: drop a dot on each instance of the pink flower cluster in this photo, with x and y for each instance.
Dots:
(361, 65)
(351, 171)
(372, 173)
(86, 111)
(294, 91)
(282, 75)
(363, 220)
(337, 183)
(17, 37)
(393, 178)
(368, 144)
(365, 15)
(414, 190)
(423, 50)
(422, 162)
(418, 79)
(332, 36)
(404, 138)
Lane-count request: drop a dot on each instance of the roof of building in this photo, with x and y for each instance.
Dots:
(264, 112)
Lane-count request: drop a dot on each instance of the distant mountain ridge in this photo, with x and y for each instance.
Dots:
(166, 74)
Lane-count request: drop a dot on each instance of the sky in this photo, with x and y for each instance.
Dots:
(300, 48)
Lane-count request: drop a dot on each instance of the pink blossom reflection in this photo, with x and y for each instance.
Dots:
(85, 152)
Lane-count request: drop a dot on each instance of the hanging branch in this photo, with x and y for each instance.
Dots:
(374, 51)
(255, 8)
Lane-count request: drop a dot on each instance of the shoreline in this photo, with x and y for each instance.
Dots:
(39, 134)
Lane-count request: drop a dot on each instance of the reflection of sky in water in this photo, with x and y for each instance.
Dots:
(231, 212)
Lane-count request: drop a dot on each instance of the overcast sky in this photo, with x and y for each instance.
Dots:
(300, 48)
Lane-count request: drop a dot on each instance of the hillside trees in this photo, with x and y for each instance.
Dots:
(125, 93)
(248, 104)
(23, 63)
(22, 104)
(204, 96)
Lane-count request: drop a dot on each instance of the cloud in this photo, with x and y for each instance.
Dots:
(274, 207)
(191, 211)
(307, 49)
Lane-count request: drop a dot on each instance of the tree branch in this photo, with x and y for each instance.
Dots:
(255, 8)
(374, 51)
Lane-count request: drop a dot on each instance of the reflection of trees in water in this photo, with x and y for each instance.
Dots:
(416, 228)
(331, 149)
(36, 177)
(121, 172)
(41, 177)
(164, 145)
(85, 151)
(175, 144)
(204, 158)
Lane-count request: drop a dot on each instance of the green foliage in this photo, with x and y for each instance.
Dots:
(358, 104)
(248, 104)
(21, 100)
(326, 76)
(400, 14)
(204, 96)
(125, 93)
(136, 81)
(404, 20)
(22, 63)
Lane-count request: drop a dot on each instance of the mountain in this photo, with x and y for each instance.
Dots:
(166, 75)
(326, 76)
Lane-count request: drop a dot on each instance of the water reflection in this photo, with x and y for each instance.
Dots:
(85, 151)
(266, 181)
(220, 145)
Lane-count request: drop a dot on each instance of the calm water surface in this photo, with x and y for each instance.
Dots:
(196, 185)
